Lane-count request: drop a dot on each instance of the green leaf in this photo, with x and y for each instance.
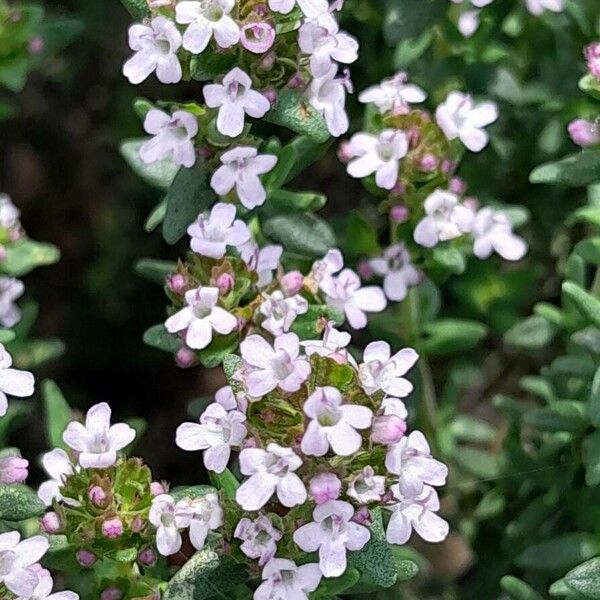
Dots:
(57, 414)
(585, 578)
(588, 305)
(191, 491)
(209, 65)
(375, 562)
(138, 9)
(154, 269)
(410, 18)
(589, 249)
(518, 589)
(582, 168)
(25, 255)
(295, 113)
(158, 337)
(288, 201)
(7, 336)
(446, 336)
(361, 237)
(562, 416)
(303, 234)
(590, 85)
(13, 73)
(231, 364)
(159, 174)
(275, 178)
(206, 575)
(532, 333)
(594, 403)
(17, 414)
(332, 587)
(307, 152)
(591, 458)
(450, 258)
(29, 354)
(477, 462)
(310, 325)
(156, 217)
(222, 345)
(225, 482)
(19, 502)
(560, 553)
(189, 195)
(470, 429)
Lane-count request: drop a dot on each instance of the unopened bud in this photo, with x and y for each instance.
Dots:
(296, 81)
(388, 429)
(157, 488)
(137, 525)
(85, 558)
(428, 163)
(185, 358)
(457, 186)
(344, 152)
(362, 516)
(112, 528)
(51, 522)
(176, 283)
(36, 45)
(271, 95)
(584, 133)
(97, 495)
(364, 270)
(13, 469)
(111, 593)
(399, 213)
(324, 487)
(292, 282)
(146, 557)
(225, 283)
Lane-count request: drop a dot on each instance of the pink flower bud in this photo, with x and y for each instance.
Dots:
(471, 203)
(399, 213)
(15, 234)
(85, 558)
(324, 487)
(157, 488)
(448, 166)
(388, 429)
(176, 283)
(399, 188)
(364, 270)
(414, 137)
(592, 55)
(584, 133)
(428, 163)
(137, 525)
(250, 443)
(51, 523)
(457, 185)
(271, 95)
(112, 528)
(97, 495)
(185, 358)
(111, 593)
(225, 283)
(257, 37)
(146, 557)
(362, 516)
(344, 152)
(296, 81)
(261, 10)
(36, 45)
(292, 282)
(13, 469)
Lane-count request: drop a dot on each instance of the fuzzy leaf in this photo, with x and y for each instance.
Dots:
(25, 255)
(158, 337)
(159, 174)
(560, 553)
(310, 325)
(221, 346)
(19, 502)
(155, 270)
(451, 335)
(288, 201)
(518, 590)
(588, 305)
(585, 578)
(57, 414)
(225, 482)
(579, 169)
(303, 234)
(138, 9)
(531, 333)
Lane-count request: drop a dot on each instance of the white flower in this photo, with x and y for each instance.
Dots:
(58, 465)
(381, 371)
(205, 515)
(16, 558)
(98, 441)
(9, 213)
(271, 471)
(492, 231)
(410, 459)
(282, 579)
(324, 42)
(235, 98)
(333, 424)
(43, 589)
(274, 366)
(327, 95)
(217, 432)
(418, 513)
(393, 94)
(537, 7)
(333, 345)
(310, 8)
(212, 233)
(281, 312)
(200, 316)
(332, 533)
(205, 19)
(366, 486)
(259, 538)
(379, 154)
(240, 170)
(261, 260)
(397, 271)
(445, 219)
(173, 137)
(168, 518)
(13, 381)
(459, 117)
(155, 48)
(10, 290)
(344, 293)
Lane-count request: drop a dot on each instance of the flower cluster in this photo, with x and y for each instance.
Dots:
(262, 51)
(322, 440)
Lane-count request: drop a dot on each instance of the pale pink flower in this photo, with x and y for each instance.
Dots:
(261, 260)
(168, 520)
(310, 8)
(13, 382)
(283, 579)
(324, 268)
(43, 589)
(13, 469)
(11, 289)
(327, 95)
(388, 429)
(538, 7)
(324, 487)
(18, 556)
(393, 94)
(58, 466)
(281, 312)
(397, 270)
(333, 345)
(366, 487)
(258, 37)
(205, 515)
(585, 133)
(492, 231)
(259, 538)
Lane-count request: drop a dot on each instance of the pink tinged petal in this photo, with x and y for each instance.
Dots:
(222, 214)
(446, 123)
(226, 32)
(468, 22)
(32, 549)
(483, 114)
(76, 436)
(314, 442)
(377, 352)
(359, 417)
(191, 437)
(97, 419)
(474, 139)
(308, 537)
(226, 398)
(356, 317)
(344, 439)
(387, 175)
(22, 582)
(346, 50)
(238, 234)
(256, 491)
(413, 93)
(431, 527)
(217, 457)
(198, 533)
(251, 192)
(399, 528)
(291, 491)
(309, 576)
(223, 180)
(230, 120)
(9, 540)
(222, 321)
(199, 334)
(397, 386)
(139, 67)
(510, 247)
(264, 163)
(90, 460)
(48, 491)
(197, 36)
(180, 320)
(370, 298)
(379, 266)
(405, 360)
(251, 459)
(357, 536)
(168, 540)
(426, 233)
(395, 286)
(206, 248)
(214, 95)
(155, 120)
(255, 104)
(332, 558)
(256, 351)
(184, 154)
(482, 248)
(168, 70)
(17, 383)
(300, 374)
(260, 383)
(120, 435)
